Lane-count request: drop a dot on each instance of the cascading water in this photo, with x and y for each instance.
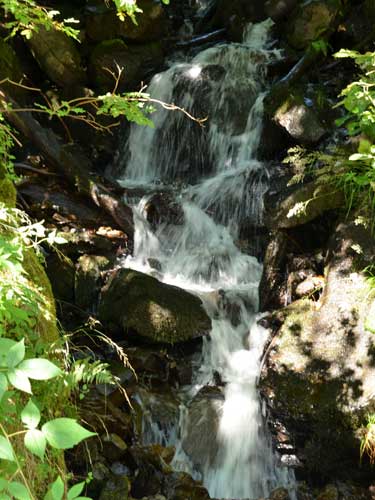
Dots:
(218, 182)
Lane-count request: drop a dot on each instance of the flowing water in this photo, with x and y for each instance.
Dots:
(218, 182)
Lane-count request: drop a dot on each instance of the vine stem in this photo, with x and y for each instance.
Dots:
(26, 483)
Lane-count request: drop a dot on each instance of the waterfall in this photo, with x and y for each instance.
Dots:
(218, 182)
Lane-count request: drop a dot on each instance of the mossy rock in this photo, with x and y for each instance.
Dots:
(135, 302)
(46, 326)
(36, 276)
(58, 56)
(8, 193)
(319, 374)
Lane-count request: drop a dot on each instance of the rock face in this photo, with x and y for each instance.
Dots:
(137, 61)
(58, 57)
(320, 368)
(135, 302)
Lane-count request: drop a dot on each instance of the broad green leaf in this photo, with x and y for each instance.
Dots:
(16, 354)
(6, 449)
(30, 415)
(19, 380)
(19, 491)
(35, 442)
(64, 433)
(3, 385)
(56, 491)
(5, 346)
(3, 484)
(76, 490)
(39, 369)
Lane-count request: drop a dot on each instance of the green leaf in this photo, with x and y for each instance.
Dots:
(30, 415)
(3, 385)
(35, 442)
(39, 369)
(76, 490)
(6, 449)
(64, 433)
(5, 346)
(3, 484)
(19, 380)
(19, 491)
(56, 491)
(16, 354)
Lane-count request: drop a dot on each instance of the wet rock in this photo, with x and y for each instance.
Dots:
(134, 302)
(279, 9)
(104, 24)
(137, 61)
(273, 275)
(87, 280)
(162, 208)
(116, 488)
(58, 57)
(321, 365)
(159, 409)
(203, 420)
(310, 21)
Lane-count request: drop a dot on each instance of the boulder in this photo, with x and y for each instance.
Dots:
(299, 120)
(319, 372)
(310, 21)
(58, 56)
(138, 62)
(102, 23)
(135, 302)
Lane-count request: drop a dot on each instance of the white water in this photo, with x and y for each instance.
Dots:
(220, 183)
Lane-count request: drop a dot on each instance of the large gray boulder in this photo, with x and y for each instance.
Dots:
(135, 302)
(319, 373)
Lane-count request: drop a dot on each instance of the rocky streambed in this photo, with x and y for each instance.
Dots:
(238, 296)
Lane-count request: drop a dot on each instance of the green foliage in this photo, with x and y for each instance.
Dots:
(358, 100)
(26, 17)
(368, 439)
(129, 8)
